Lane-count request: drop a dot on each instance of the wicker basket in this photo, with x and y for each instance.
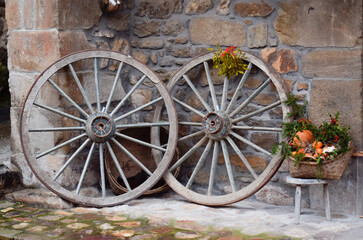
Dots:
(331, 170)
(143, 154)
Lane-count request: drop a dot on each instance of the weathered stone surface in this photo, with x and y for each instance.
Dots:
(44, 14)
(173, 27)
(300, 23)
(281, 59)
(104, 33)
(19, 85)
(32, 51)
(223, 7)
(166, 74)
(264, 99)
(264, 140)
(120, 21)
(302, 86)
(274, 195)
(213, 31)
(71, 42)
(27, 14)
(154, 58)
(198, 6)
(146, 28)
(256, 162)
(151, 43)
(338, 96)
(10, 178)
(257, 36)
(140, 56)
(288, 84)
(166, 62)
(40, 196)
(187, 235)
(78, 14)
(333, 63)
(183, 52)
(181, 40)
(121, 45)
(261, 9)
(12, 14)
(158, 8)
(141, 97)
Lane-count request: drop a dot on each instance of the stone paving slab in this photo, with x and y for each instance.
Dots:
(172, 217)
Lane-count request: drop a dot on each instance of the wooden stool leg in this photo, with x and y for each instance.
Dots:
(327, 202)
(297, 204)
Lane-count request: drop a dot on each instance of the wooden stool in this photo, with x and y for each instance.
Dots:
(298, 182)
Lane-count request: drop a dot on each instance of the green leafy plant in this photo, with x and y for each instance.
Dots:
(230, 61)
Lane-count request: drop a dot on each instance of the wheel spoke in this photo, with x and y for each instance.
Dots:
(211, 86)
(228, 165)
(138, 109)
(199, 164)
(239, 87)
(195, 90)
(141, 80)
(61, 129)
(250, 98)
(114, 86)
(59, 112)
(257, 112)
(97, 85)
(188, 107)
(68, 98)
(257, 128)
(190, 123)
(124, 179)
(81, 89)
(189, 153)
(60, 145)
(140, 142)
(71, 158)
(251, 144)
(132, 156)
(141, 125)
(242, 157)
(188, 137)
(213, 168)
(224, 94)
(102, 170)
(85, 168)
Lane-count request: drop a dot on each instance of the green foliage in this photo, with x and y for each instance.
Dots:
(298, 111)
(229, 62)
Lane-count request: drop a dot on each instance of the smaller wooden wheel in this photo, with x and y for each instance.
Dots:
(76, 113)
(226, 129)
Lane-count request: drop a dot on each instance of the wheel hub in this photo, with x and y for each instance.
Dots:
(100, 127)
(216, 125)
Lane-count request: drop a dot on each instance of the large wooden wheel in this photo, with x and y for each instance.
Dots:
(226, 130)
(73, 116)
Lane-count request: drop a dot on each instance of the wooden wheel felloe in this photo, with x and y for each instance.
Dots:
(77, 108)
(224, 126)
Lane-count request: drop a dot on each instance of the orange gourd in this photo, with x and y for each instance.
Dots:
(305, 137)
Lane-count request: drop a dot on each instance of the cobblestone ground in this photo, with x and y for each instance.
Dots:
(21, 221)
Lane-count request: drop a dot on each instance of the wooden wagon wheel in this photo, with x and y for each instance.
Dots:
(217, 117)
(72, 116)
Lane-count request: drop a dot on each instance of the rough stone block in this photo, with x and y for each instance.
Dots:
(78, 14)
(223, 7)
(120, 21)
(71, 42)
(140, 56)
(151, 43)
(338, 96)
(281, 59)
(183, 52)
(260, 9)
(300, 23)
(12, 14)
(173, 27)
(213, 31)
(146, 28)
(160, 9)
(198, 6)
(121, 45)
(27, 14)
(264, 140)
(45, 16)
(19, 85)
(257, 36)
(275, 195)
(333, 63)
(32, 51)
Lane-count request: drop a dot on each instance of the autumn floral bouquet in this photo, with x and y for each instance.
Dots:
(230, 61)
(307, 142)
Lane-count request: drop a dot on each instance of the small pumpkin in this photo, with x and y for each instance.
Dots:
(303, 138)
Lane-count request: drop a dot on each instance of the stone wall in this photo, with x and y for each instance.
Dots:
(316, 46)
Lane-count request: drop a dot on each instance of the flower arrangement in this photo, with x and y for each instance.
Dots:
(307, 142)
(230, 61)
